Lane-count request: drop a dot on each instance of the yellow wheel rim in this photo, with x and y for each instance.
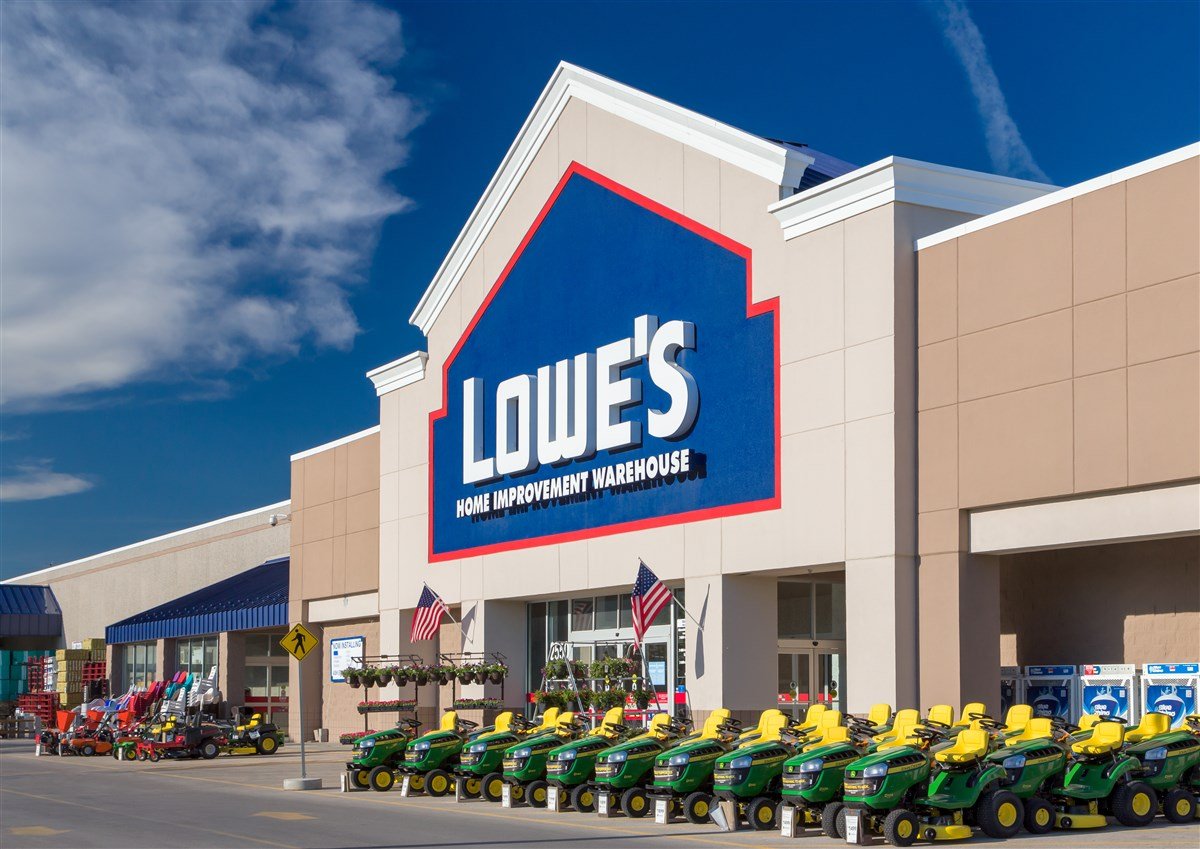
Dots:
(1182, 806)
(539, 795)
(416, 782)
(438, 785)
(586, 798)
(360, 778)
(268, 744)
(764, 814)
(1141, 804)
(637, 803)
(473, 786)
(1041, 816)
(1007, 814)
(385, 780)
(904, 828)
(701, 809)
(495, 787)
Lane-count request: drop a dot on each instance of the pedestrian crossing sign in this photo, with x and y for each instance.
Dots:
(299, 642)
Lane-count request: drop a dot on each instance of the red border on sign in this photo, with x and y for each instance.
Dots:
(752, 309)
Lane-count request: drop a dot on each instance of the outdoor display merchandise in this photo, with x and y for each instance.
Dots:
(1171, 688)
(1109, 690)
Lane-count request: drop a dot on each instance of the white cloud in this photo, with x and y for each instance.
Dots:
(1006, 148)
(36, 480)
(188, 186)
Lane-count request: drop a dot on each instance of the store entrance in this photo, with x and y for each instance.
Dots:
(811, 675)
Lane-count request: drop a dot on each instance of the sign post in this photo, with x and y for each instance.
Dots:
(298, 642)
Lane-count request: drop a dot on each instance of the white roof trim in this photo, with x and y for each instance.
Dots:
(399, 373)
(1128, 173)
(354, 437)
(270, 508)
(780, 164)
(899, 180)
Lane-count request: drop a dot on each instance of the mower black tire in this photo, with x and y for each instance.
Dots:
(358, 778)
(1134, 804)
(583, 800)
(267, 745)
(381, 779)
(833, 820)
(468, 786)
(88, 751)
(901, 827)
(154, 756)
(999, 814)
(209, 750)
(760, 813)
(537, 794)
(491, 790)
(438, 782)
(1179, 805)
(1039, 815)
(696, 807)
(635, 803)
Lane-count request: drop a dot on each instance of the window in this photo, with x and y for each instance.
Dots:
(812, 610)
(196, 656)
(606, 613)
(581, 614)
(140, 665)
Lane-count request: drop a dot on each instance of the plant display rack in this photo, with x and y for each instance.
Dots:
(389, 660)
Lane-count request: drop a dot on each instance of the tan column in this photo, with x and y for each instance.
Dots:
(960, 629)
(497, 626)
(313, 669)
(881, 633)
(231, 670)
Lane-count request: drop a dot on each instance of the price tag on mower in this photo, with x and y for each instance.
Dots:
(852, 823)
(602, 804)
(661, 807)
(552, 798)
(787, 821)
(506, 796)
(406, 787)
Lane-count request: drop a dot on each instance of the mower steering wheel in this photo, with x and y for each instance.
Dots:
(935, 725)
(677, 727)
(986, 721)
(1062, 725)
(468, 724)
(522, 724)
(1114, 718)
(619, 727)
(928, 734)
(1192, 721)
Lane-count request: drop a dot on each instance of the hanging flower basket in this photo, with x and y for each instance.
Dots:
(384, 677)
(400, 676)
(352, 678)
(368, 677)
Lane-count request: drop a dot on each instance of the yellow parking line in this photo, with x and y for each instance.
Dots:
(126, 813)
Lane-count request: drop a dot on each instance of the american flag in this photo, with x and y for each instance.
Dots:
(649, 597)
(428, 616)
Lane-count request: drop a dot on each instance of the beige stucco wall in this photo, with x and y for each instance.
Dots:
(335, 520)
(1157, 621)
(339, 705)
(1058, 356)
(149, 573)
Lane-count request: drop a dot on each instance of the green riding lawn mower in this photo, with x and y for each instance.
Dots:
(480, 759)
(523, 766)
(683, 776)
(626, 770)
(377, 756)
(429, 759)
(571, 766)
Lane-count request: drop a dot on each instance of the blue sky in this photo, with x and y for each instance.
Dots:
(213, 236)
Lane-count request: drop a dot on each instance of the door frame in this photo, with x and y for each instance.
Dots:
(807, 651)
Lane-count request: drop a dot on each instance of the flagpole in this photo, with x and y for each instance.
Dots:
(448, 613)
(678, 602)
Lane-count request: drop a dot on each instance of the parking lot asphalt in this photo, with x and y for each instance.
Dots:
(82, 803)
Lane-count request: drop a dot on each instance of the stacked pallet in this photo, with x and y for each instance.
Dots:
(41, 705)
(14, 673)
(68, 678)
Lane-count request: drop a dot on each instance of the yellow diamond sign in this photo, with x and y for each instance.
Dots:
(299, 642)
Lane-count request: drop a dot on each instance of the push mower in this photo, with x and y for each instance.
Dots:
(481, 758)
(683, 776)
(524, 765)
(377, 756)
(428, 758)
(628, 767)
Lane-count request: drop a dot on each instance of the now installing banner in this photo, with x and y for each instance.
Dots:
(617, 376)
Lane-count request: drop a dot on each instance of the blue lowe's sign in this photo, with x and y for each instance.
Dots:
(616, 377)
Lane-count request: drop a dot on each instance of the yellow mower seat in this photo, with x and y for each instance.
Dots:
(767, 716)
(828, 720)
(564, 722)
(1037, 728)
(449, 721)
(907, 718)
(254, 722)
(612, 718)
(968, 709)
(879, 715)
(1088, 721)
(901, 734)
(1106, 737)
(1152, 725)
(941, 713)
(658, 727)
(709, 730)
(504, 721)
(772, 730)
(1016, 718)
(813, 715)
(840, 734)
(549, 719)
(971, 744)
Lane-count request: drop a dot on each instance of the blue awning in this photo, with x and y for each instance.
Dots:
(29, 611)
(257, 598)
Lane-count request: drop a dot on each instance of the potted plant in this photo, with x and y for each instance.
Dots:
(497, 672)
(551, 698)
(445, 674)
(420, 675)
(466, 673)
(642, 696)
(400, 675)
(598, 669)
(352, 677)
(383, 676)
(556, 669)
(368, 676)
